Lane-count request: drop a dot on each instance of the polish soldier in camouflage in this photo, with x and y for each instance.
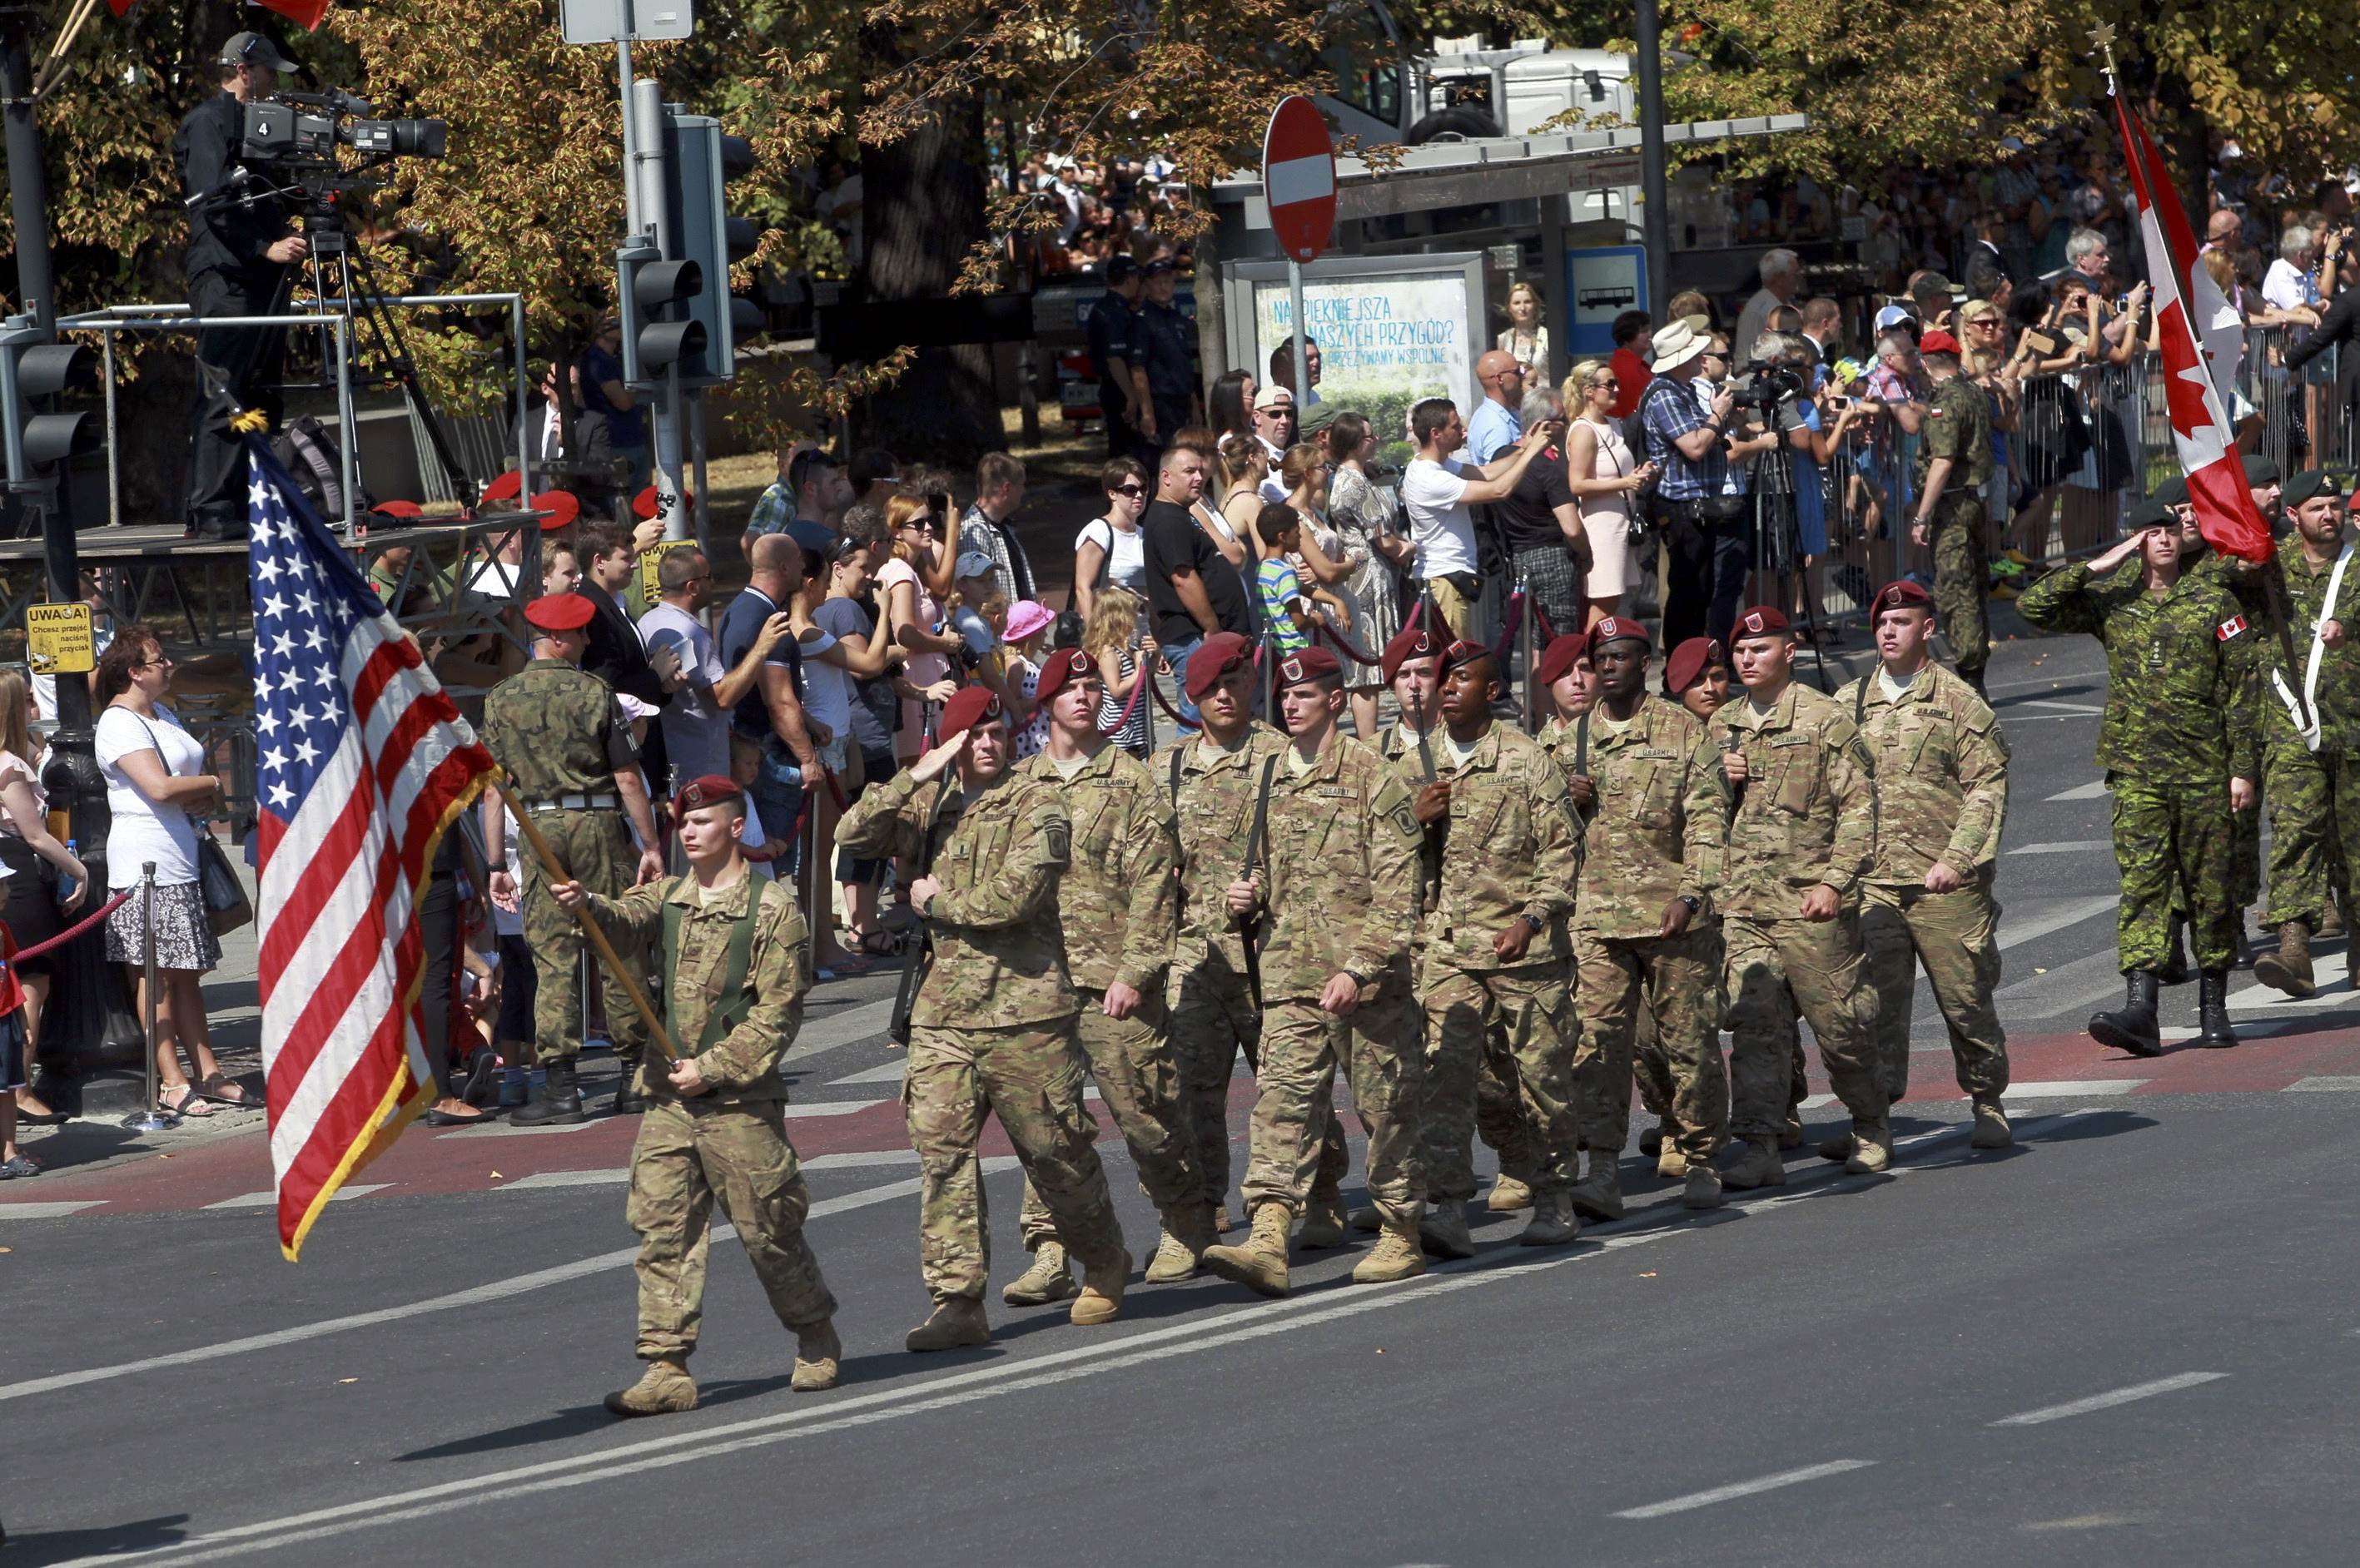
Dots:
(992, 1028)
(1412, 667)
(1213, 780)
(1117, 906)
(737, 963)
(2313, 770)
(1336, 893)
(1954, 464)
(1802, 836)
(1941, 767)
(1497, 958)
(562, 743)
(2180, 746)
(1644, 940)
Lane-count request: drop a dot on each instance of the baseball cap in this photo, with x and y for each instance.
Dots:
(1273, 397)
(973, 563)
(1214, 658)
(1894, 316)
(254, 48)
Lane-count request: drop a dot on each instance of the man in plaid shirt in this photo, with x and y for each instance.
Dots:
(1684, 441)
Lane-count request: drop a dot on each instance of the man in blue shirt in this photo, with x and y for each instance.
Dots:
(1685, 442)
(1497, 423)
(772, 711)
(1160, 337)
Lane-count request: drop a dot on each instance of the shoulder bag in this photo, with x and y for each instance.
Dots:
(227, 905)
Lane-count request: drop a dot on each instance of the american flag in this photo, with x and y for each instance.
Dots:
(364, 763)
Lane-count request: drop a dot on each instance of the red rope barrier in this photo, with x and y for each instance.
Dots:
(1130, 703)
(1343, 645)
(1508, 633)
(73, 931)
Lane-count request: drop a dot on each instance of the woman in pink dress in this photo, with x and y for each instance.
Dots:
(1603, 476)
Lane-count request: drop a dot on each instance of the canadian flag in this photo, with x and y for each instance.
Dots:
(2226, 512)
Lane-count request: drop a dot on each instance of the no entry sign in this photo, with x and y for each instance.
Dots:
(1298, 178)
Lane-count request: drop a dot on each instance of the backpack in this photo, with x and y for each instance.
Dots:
(307, 449)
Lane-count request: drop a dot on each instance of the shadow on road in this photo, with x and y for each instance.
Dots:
(65, 1545)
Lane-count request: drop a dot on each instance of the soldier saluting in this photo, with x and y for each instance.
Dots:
(737, 963)
(992, 1027)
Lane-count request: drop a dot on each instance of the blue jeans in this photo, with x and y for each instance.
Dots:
(777, 796)
(1175, 654)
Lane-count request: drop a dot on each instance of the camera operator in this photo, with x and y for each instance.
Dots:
(242, 249)
(1751, 433)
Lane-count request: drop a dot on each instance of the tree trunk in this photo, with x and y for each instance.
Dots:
(922, 211)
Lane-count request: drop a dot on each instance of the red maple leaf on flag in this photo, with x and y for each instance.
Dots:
(307, 13)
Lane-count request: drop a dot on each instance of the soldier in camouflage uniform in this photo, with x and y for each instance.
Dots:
(2313, 778)
(993, 1025)
(1803, 835)
(1941, 767)
(1644, 944)
(1336, 893)
(2181, 746)
(2244, 581)
(737, 963)
(562, 742)
(1412, 668)
(1117, 906)
(1496, 953)
(1954, 464)
(1212, 778)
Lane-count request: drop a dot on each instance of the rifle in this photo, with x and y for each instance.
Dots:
(1248, 924)
(914, 974)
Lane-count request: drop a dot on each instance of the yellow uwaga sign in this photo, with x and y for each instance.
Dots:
(58, 640)
(651, 562)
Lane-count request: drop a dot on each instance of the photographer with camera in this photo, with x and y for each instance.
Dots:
(241, 252)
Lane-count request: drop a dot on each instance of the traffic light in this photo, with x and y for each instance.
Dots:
(660, 331)
(699, 163)
(39, 436)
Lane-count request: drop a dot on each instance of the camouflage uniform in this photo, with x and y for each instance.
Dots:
(1117, 906)
(1806, 816)
(1958, 426)
(1513, 848)
(558, 731)
(1499, 1119)
(1941, 766)
(1656, 833)
(1341, 886)
(998, 956)
(2314, 795)
(729, 1143)
(2244, 585)
(2179, 724)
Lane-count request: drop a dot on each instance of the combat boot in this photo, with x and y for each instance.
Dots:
(2133, 1027)
(1259, 1263)
(629, 1101)
(1651, 1142)
(1187, 1231)
(1991, 1130)
(818, 1352)
(1703, 1188)
(1872, 1149)
(1791, 1135)
(1835, 1149)
(1508, 1195)
(1397, 1255)
(557, 1103)
(1102, 1283)
(2331, 919)
(2175, 965)
(1752, 1163)
(1554, 1223)
(1048, 1279)
(956, 1323)
(664, 1388)
(1324, 1223)
(2212, 1029)
(1671, 1164)
(1598, 1195)
(1444, 1231)
(1366, 1219)
(2289, 969)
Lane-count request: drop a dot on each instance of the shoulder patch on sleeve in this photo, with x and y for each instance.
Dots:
(2234, 627)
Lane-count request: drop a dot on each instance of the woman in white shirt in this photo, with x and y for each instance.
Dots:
(154, 781)
(1107, 551)
(36, 865)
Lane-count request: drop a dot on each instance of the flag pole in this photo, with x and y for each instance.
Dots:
(615, 966)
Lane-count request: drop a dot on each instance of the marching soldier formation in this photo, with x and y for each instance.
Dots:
(1473, 932)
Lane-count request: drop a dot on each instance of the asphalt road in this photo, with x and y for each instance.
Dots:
(2131, 1338)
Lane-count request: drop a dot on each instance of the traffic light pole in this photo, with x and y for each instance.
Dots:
(1655, 185)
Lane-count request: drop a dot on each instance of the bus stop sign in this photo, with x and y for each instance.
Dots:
(1298, 178)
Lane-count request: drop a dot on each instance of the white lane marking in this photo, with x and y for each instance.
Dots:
(2071, 1089)
(498, 1290)
(833, 1107)
(1816, 1101)
(47, 1211)
(2072, 912)
(2062, 846)
(1736, 1489)
(2321, 1085)
(2096, 789)
(509, 1130)
(2054, 703)
(270, 1200)
(826, 1033)
(2109, 1399)
(889, 1074)
(620, 1175)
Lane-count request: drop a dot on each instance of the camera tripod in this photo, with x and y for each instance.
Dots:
(1778, 551)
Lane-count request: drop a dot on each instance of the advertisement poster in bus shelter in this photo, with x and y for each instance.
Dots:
(1391, 330)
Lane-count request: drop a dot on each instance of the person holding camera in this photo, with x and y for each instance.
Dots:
(242, 251)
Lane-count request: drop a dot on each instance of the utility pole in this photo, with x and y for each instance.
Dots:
(1655, 216)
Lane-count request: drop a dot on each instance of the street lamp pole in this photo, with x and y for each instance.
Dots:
(1656, 215)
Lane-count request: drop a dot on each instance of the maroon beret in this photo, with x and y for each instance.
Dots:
(1900, 593)
(1464, 651)
(1064, 665)
(1309, 664)
(1214, 658)
(1410, 642)
(968, 706)
(1760, 621)
(1615, 628)
(559, 612)
(1557, 659)
(1689, 661)
(712, 790)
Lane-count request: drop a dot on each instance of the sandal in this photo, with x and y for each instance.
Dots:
(222, 1090)
(876, 942)
(19, 1165)
(848, 966)
(190, 1104)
